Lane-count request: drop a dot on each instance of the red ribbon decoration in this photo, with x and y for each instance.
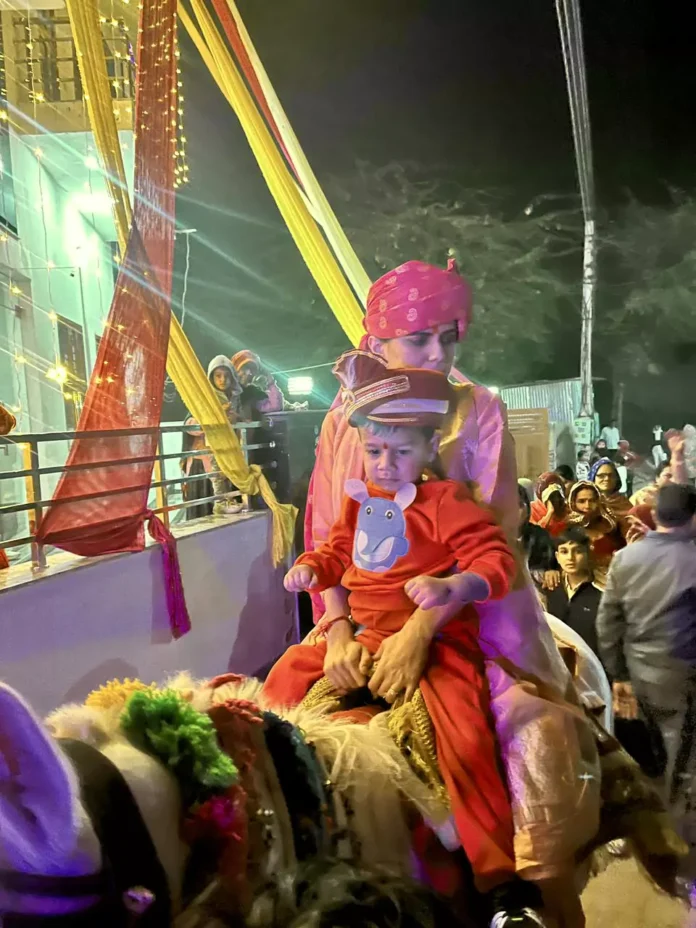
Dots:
(101, 509)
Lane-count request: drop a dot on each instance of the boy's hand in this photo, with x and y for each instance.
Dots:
(429, 592)
(300, 578)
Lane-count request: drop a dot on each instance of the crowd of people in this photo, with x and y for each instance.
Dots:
(621, 572)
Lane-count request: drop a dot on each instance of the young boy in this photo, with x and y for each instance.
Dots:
(393, 548)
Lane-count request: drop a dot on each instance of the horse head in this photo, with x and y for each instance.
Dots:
(94, 801)
(86, 820)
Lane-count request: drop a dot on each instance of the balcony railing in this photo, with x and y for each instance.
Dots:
(168, 491)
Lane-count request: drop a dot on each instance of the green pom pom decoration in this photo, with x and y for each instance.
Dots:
(166, 726)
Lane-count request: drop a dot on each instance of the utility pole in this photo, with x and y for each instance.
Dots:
(589, 283)
(570, 29)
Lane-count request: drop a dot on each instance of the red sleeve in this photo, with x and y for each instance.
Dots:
(335, 556)
(477, 541)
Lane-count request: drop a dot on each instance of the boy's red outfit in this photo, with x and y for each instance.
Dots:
(381, 541)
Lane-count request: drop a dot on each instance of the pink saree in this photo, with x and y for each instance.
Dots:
(548, 748)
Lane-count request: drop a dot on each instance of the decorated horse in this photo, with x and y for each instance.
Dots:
(123, 810)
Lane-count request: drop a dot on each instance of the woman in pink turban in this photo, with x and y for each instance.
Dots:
(416, 314)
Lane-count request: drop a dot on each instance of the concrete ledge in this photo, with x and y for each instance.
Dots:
(81, 622)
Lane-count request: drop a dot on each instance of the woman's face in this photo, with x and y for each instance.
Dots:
(247, 374)
(606, 479)
(431, 349)
(586, 502)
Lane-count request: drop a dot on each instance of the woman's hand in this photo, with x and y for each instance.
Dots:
(300, 578)
(347, 662)
(552, 580)
(624, 701)
(400, 662)
(636, 530)
(429, 592)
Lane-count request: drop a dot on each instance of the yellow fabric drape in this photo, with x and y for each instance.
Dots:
(281, 184)
(182, 364)
(319, 205)
(84, 22)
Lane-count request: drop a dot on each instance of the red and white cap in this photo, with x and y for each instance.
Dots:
(405, 396)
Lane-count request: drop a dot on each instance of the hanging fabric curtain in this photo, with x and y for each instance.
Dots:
(260, 83)
(182, 364)
(282, 186)
(100, 503)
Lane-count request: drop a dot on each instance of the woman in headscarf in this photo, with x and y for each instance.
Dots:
(536, 545)
(607, 479)
(251, 372)
(550, 510)
(415, 317)
(588, 510)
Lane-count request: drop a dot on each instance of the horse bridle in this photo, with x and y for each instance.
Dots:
(132, 886)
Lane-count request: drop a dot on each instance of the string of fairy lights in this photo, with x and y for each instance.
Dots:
(41, 90)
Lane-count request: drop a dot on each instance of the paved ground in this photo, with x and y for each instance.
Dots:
(622, 898)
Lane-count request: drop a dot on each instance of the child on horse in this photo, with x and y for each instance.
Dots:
(393, 548)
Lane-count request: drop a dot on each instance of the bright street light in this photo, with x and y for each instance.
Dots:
(300, 386)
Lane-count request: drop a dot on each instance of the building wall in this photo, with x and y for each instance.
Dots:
(56, 288)
(66, 255)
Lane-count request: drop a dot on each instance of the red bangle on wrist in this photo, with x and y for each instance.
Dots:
(323, 627)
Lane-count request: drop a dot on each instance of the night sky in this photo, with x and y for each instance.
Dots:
(473, 88)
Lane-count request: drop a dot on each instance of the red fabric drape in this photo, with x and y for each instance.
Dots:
(126, 387)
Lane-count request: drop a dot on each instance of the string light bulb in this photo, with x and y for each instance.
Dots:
(59, 373)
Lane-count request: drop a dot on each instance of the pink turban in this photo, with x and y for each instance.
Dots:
(418, 296)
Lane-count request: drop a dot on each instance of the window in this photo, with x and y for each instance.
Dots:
(8, 212)
(73, 377)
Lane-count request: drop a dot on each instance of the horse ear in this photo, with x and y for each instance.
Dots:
(357, 490)
(40, 811)
(405, 495)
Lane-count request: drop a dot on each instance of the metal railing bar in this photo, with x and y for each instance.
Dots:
(18, 439)
(24, 507)
(189, 504)
(16, 474)
(15, 542)
(44, 503)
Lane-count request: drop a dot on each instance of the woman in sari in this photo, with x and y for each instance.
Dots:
(416, 314)
(607, 479)
(588, 510)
